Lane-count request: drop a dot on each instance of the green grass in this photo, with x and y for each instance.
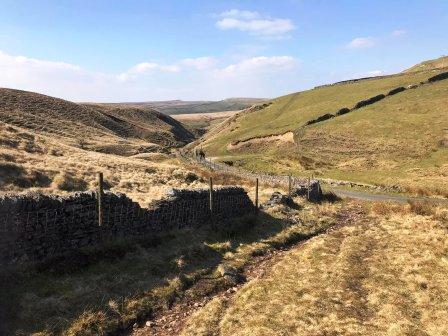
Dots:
(289, 112)
(394, 141)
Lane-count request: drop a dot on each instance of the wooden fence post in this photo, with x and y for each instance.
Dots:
(256, 195)
(100, 199)
(289, 186)
(211, 197)
(309, 186)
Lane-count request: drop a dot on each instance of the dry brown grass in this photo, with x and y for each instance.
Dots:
(413, 207)
(61, 168)
(376, 276)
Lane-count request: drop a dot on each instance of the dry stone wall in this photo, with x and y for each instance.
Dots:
(300, 186)
(37, 227)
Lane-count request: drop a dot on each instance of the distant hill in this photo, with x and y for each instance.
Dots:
(95, 124)
(172, 107)
(391, 130)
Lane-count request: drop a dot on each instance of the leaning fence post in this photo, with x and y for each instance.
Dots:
(100, 199)
(256, 195)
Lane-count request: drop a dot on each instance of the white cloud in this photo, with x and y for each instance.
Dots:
(361, 43)
(399, 32)
(259, 65)
(59, 79)
(240, 14)
(200, 63)
(254, 23)
(189, 78)
(369, 42)
(146, 67)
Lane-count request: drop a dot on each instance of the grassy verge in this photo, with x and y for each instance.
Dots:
(99, 292)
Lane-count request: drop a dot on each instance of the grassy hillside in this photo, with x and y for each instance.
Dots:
(398, 140)
(174, 107)
(367, 278)
(52, 145)
(94, 123)
(200, 123)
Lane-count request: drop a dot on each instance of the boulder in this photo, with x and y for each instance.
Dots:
(315, 193)
(277, 198)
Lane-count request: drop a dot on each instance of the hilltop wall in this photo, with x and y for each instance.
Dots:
(37, 227)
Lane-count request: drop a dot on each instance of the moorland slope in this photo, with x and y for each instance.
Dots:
(96, 123)
(53, 145)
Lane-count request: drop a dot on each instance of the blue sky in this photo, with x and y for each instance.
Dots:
(154, 50)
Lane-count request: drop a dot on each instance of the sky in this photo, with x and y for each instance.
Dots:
(116, 51)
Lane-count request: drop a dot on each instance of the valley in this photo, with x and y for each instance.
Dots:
(366, 263)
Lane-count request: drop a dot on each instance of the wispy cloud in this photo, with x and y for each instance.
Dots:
(200, 63)
(361, 43)
(60, 79)
(259, 65)
(399, 32)
(254, 23)
(370, 42)
(146, 67)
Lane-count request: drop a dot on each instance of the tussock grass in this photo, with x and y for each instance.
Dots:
(413, 207)
(63, 168)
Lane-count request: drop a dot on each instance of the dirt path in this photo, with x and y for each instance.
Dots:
(173, 321)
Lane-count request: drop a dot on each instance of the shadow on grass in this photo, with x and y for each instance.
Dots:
(107, 289)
